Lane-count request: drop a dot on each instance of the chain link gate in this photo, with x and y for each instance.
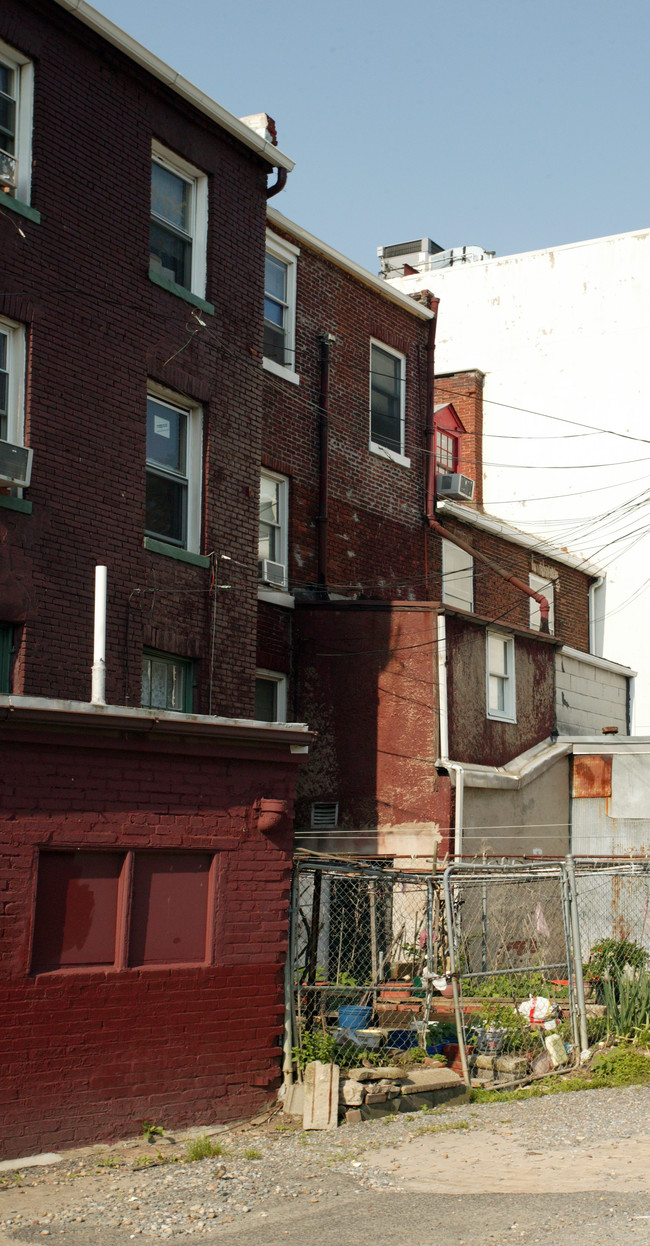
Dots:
(372, 947)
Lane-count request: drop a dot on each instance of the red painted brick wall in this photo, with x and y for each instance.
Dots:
(88, 1055)
(97, 329)
(465, 391)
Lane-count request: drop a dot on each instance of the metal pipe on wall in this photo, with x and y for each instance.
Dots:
(323, 455)
(98, 694)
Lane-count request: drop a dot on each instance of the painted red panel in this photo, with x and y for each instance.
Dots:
(76, 909)
(169, 907)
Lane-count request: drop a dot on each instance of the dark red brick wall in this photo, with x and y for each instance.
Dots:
(88, 1055)
(97, 329)
(465, 391)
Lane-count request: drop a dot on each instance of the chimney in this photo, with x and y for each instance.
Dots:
(263, 125)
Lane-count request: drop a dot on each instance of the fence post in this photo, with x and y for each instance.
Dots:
(287, 1042)
(312, 959)
(451, 940)
(566, 919)
(577, 953)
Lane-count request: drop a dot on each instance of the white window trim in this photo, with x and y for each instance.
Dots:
(199, 232)
(15, 334)
(509, 714)
(285, 251)
(383, 451)
(283, 519)
(280, 682)
(24, 119)
(194, 460)
(449, 596)
(547, 589)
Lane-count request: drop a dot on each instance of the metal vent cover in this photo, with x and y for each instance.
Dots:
(324, 814)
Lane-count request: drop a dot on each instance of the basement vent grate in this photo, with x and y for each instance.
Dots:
(324, 813)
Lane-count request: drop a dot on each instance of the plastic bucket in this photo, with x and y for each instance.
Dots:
(401, 1040)
(354, 1017)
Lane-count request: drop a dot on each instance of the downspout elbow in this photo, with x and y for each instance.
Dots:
(277, 186)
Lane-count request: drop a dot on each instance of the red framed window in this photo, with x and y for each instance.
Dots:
(111, 910)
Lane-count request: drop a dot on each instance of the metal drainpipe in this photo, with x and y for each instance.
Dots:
(494, 566)
(98, 694)
(326, 340)
(430, 440)
(593, 589)
(276, 187)
(443, 760)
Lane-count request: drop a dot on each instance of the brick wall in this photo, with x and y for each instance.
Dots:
(97, 329)
(86, 1055)
(465, 391)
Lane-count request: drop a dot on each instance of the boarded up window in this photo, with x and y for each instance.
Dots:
(169, 909)
(76, 909)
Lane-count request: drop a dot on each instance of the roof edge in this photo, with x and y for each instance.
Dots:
(499, 527)
(160, 69)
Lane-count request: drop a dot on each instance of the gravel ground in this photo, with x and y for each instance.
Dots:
(110, 1189)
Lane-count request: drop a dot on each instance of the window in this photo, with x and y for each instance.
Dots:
(16, 99)
(166, 682)
(547, 589)
(500, 670)
(173, 492)
(116, 909)
(12, 381)
(457, 576)
(179, 222)
(446, 451)
(387, 402)
(280, 308)
(273, 544)
(6, 650)
(270, 697)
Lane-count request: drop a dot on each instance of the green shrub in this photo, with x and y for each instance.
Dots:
(627, 1001)
(203, 1148)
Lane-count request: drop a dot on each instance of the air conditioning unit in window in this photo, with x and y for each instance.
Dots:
(271, 572)
(8, 168)
(455, 486)
(15, 464)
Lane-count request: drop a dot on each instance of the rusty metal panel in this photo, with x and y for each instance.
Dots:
(592, 776)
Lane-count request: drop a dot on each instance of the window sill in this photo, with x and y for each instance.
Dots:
(383, 453)
(500, 718)
(181, 292)
(277, 369)
(15, 504)
(23, 209)
(173, 551)
(277, 597)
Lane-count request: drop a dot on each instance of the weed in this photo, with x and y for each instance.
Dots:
(252, 1152)
(441, 1129)
(150, 1131)
(203, 1148)
(303, 1140)
(145, 1161)
(109, 1161)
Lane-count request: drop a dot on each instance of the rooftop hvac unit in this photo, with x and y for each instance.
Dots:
(15, 464)
(7, 169)
(324, 814)
(271, 572)
(455, 486)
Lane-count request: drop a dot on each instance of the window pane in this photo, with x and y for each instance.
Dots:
(165, 683)
(170, 197)
(386, 400)
(7, 124)
(275, 281)
(76, 909)
(171, 256)
(166, 509)
(169, 908)
(166, 436)
(266, 700)
(269, 500)
(497, 693)
(498, 654)
(274, 344)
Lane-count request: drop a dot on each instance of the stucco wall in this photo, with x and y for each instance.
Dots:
(532, 820)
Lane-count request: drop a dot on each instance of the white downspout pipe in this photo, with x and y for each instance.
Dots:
(443, 712)
(98, 696)
(594, 647)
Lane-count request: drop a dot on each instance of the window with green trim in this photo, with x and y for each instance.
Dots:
(167, 682)
(6, 649)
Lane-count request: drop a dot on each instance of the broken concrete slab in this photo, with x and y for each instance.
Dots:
(419, 1081)
(376, 1075)
(294, 1100)
(351, 1092)
(31, 1161)
(321, 1102)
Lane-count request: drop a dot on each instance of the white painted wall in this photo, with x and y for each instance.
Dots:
(565, 332)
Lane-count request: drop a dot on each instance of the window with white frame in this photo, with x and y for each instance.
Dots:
(500, 672)
(173, 491)
(280, 307)
(270, 697)
(387, 401)
(457, 576)
(12, 381)
(179, 221)
(273, 541)
(166, 682)
(446, 451)
(16, 105)
(547, 590)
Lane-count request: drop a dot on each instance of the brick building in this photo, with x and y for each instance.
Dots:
(418, 661)
(145, 843)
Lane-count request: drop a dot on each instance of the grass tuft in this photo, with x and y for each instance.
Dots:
(203, 1148)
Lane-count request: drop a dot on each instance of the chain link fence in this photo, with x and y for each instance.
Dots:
(392, 964)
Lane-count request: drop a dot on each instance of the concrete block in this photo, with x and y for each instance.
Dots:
(376, 1075)
(514, 1066)
(484, 1062)
(351, 1092)
(321, 1102)
(353, 1116)
(295, 1099)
